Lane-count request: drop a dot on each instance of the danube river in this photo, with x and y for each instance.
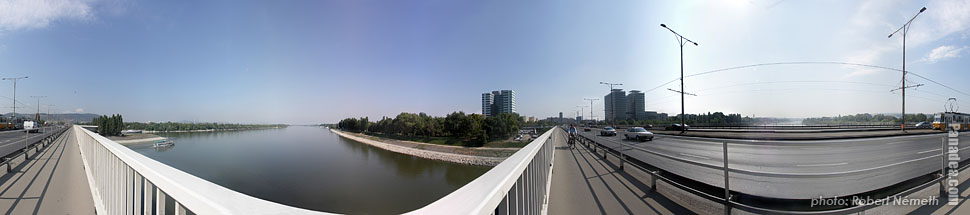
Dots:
(312, 168)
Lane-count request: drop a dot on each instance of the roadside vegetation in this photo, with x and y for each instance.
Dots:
(457, 128)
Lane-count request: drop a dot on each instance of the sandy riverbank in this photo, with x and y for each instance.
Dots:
(456, 154)
(136, 138)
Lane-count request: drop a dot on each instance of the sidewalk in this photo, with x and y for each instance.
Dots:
(52, 182)
(583, 183)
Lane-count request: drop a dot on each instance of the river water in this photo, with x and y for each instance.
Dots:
(312, 168)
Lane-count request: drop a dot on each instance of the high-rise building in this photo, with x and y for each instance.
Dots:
(637, 110)
(497, 102)
(615, 102)
(487, 101)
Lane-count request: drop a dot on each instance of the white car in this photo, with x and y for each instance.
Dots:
(638, 133)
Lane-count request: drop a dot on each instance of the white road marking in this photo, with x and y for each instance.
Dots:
(927, 151)
(694, 156)
(828, 164)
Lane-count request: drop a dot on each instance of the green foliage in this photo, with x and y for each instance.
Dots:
(864, 118)
(469, 129)
(174, 126)
(109, 126)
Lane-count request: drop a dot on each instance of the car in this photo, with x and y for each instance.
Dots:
(638, 133)
(608, 131)
(924, 125)
(676, 127)
(587, 129)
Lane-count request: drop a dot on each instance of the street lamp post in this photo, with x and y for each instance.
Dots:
(591, 107)
(581, 108)
(613, 105)
(14, 94)
(682, 41)
(905, 29)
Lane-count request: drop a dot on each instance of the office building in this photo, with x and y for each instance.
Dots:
(615, 102)
(498, 102)
(636, 105)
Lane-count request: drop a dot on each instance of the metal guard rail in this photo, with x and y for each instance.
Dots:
(518, 185)
(123, 181)
(591, 144)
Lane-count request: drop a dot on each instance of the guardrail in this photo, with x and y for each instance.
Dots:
(728, 199)
(518, 185)
(12, 151)
(123, 181)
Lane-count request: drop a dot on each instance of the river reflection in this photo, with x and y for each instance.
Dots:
(313, 168)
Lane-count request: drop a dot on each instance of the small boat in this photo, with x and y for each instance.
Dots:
(163, 143)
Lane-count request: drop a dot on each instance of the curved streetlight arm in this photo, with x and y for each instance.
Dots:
(907, 23)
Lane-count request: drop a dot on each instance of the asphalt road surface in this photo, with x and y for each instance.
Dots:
(12, 141)
(792, 169)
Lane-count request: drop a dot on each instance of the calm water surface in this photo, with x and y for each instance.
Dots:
(312, 168)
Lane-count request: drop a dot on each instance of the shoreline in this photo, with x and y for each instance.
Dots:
(203, 130)
(419, 151)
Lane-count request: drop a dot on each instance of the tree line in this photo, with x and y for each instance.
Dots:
(470, 129)
(176, 126)
(109, 125)
(865, 118)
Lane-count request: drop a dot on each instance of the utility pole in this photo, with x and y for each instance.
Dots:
(14, 95)
(905, 29)
(682, 41)
(613, 105)
(37, 116)
(591, 106)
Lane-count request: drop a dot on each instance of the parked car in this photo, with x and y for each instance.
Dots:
(924, 125)
(676, 127)
(638, 133)
(608, 131)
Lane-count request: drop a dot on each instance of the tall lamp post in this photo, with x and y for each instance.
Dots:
(14, 95)
(591, 107)
(613, 105)
(682, 41)
(905, 29)
(581, 108)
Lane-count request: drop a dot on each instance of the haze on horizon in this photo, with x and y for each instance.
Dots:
(307, 62)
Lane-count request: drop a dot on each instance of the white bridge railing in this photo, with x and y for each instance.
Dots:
(518, 185)
(123, 181)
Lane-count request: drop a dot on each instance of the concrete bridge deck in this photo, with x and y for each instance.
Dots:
(50, 182)
(585, 183)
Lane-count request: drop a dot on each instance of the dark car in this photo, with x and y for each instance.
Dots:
(587, 129)
(924, 125)
(677, 127)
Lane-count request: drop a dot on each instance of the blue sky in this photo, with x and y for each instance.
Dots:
(320, 61)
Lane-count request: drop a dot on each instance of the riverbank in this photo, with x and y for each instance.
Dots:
(455, 154)
(136, 138)
(206, 130)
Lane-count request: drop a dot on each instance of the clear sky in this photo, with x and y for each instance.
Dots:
(320, 61)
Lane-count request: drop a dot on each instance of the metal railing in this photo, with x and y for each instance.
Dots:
(12, 151)
(728, 200)
(518, 185)
(123, 181)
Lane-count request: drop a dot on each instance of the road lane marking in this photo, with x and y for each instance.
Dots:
(694, 156)
(827, 164)
(927, 151)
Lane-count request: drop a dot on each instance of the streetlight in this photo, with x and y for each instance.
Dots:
(613, 105)
(581, 108)
(591, 107)
(14, 95)
(905, 29)
(682, 41)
